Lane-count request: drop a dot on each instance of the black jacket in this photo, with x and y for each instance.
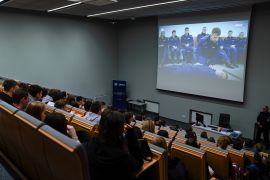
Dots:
(263, 119)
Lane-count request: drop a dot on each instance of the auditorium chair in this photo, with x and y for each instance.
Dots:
(67, 115)
(36, 151)
(171, 133)
(80, 124)
(79, 112)
(237, 157)
(218, 159)
(151, 136)
(180, 139)
(49, 109)
(68, 108)
(206, 142)
(194, 160)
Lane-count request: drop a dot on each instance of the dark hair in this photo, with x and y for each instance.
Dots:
(230, 31)
(163, 133)
(211, 139)
(34, 90)
(44, 92)
(249, 143)
(111, 127)
(216, 30)
(138, 132)
(70, 99)
(128, 116)
(79, 98)
(173, 31)
(204, 135)
(74, 104)
(55, 94)
(186, 28)
(18, 95)
(63, 94)
(8, 84)
(24, 86)
(95, 107)
(57, 121)
(60, 104)
(87, 105)
(238, 144)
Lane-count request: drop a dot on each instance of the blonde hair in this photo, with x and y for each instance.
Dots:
(35, 109)
(160, 142)
(148, 125)
(222, 142)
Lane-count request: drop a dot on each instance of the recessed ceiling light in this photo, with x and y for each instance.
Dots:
(134, 8)
(63, 7)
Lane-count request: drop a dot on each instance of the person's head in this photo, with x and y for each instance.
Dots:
(222, 142)
(79, 100)
(111, 127)
(10, 86)
(24, 86)
(128, 117)
(160, 142)
(241, 34)
(44, 92)
(70, 99)
(204, 135)
(87, 105)
(258, 147)
(238, 144)
(211, 139)
(103, 106)
(57, 121)
(60, 104)
(36, 109)
(248, 143)
(74, 104)
(63, 95)
(163, 133)
(96, 107)
(20, 99)
(188, 129)
(215, 34)
(36, 92)
(265, 109)
(230, 33)
(186, 31)
(204, 30)
(173, 33)
(148, 125)
(192, 142)
(162, 33)
(55, 94)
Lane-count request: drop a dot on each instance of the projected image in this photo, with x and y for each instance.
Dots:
(212, 50)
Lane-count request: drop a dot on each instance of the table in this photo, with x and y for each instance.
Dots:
(213, 133)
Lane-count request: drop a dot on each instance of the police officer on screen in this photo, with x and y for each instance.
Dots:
(174, 47)
(263, 123)
(163, 47)
(230, 48)
(209, 50)
(241, 45)
(201, 35)
(187, 45)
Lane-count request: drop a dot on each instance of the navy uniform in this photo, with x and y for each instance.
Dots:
(174, 47)
(241, 46)
(209, 52)
(263, 121)
(187, 45)
(163, 47)
(230, 48)
(200, 36)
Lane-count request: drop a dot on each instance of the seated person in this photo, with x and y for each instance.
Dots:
(79, 101)
(129, 117)
(36, 109)
(35, 93)
(148, 125)
(108, 155)
(192, 140)
(9, 87)
(189, 132)
(87, 105)
(94, 115)
(238, 144)
(160, 142)
(60, 104)
(20, 99)
(211, 139)
(222, 142)
(204, 135)
(163, 133)
(58, 122)
(248, 145)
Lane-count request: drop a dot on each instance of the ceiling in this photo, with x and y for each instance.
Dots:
(87, 9)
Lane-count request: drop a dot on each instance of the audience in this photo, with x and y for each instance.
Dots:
(204, 135)
(79, 101)
(24, 86)
(58, 122)
(238, 144)
(148, 125)
(35, 93)
(108, 156)
(60, 104)
(20, 99)
(9, 88)
(160, 142)
(163, 133)
(87, 105)
(94, 115)
(36, 109)
(222, 142)
(129, 117)
(192, 140)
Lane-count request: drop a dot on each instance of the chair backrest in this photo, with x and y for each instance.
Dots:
(67, 115)
(37, 150)
(249, 155)
(161, 170)
(68, 108)
(180, 139)
(218, 159)
(194, 160)
(205, 142)
(81, 124)
(237, 157)
(49, 109)
(151, 136)
(79, 112)
(224, 120)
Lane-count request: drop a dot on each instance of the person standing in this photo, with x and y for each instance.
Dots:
(263, 126)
